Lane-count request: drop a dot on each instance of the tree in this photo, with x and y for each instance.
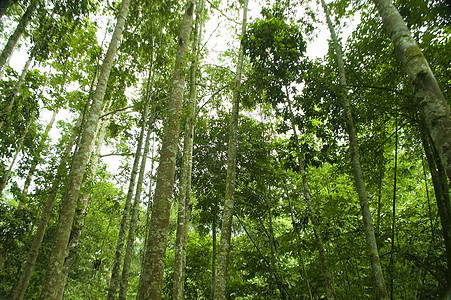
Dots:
(112, 288)
(14, 38)
(12, 98)
(379, 282)
(227, 214)
(429, 98)
(150, 283)
(20, 288)
(56, 264)
(185, 188)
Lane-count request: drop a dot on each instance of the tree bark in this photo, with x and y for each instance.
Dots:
(58, 253)
(227, 215)
(376, 268)
(18, 291)
(75, 235)
(6, 110)
(181, 238)
(20, 29)
(134, 219)
(151, 279)
(429, 98)
(114, 281)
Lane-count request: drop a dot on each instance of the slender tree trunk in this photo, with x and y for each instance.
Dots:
(181, 238)
(20, 29)
(328, 277)
(18, 291)
(378, 277)
(395, 179)
(114, 281)
(134, 219)
(151, 279)
(6, 110)
(227, 215)
(75, 235)
(441, 194)
(16, 154)
(42, 143)
(429, 98)
(149, 201)
(37, 157)
(58, 254)
(4, 5)
(132, 227)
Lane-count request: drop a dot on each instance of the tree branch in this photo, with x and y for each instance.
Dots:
(115, 111)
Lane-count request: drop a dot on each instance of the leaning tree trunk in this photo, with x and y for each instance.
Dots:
(429, 98)
(114, 281)
(328, 277)
(181, 238)
(227, 214)
(151, 279)
(55, 268)
(5, 111)
(20, 29)
(378, 277)
(83, 202)
(19, 289)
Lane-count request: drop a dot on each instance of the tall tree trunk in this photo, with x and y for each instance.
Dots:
(227, 215)
(134, 219)
(378, 277)
(114, 281)
(58, 254)
(75, 235)
(441, 194)
(429, 98)
(16, 154)
(181, 238)
(18, 291)
(132, 227)
(5, 111)
(20, 29)
(328, 277)
(151, 279)
(393, 229)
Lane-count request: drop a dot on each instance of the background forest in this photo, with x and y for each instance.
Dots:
(219, 150)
